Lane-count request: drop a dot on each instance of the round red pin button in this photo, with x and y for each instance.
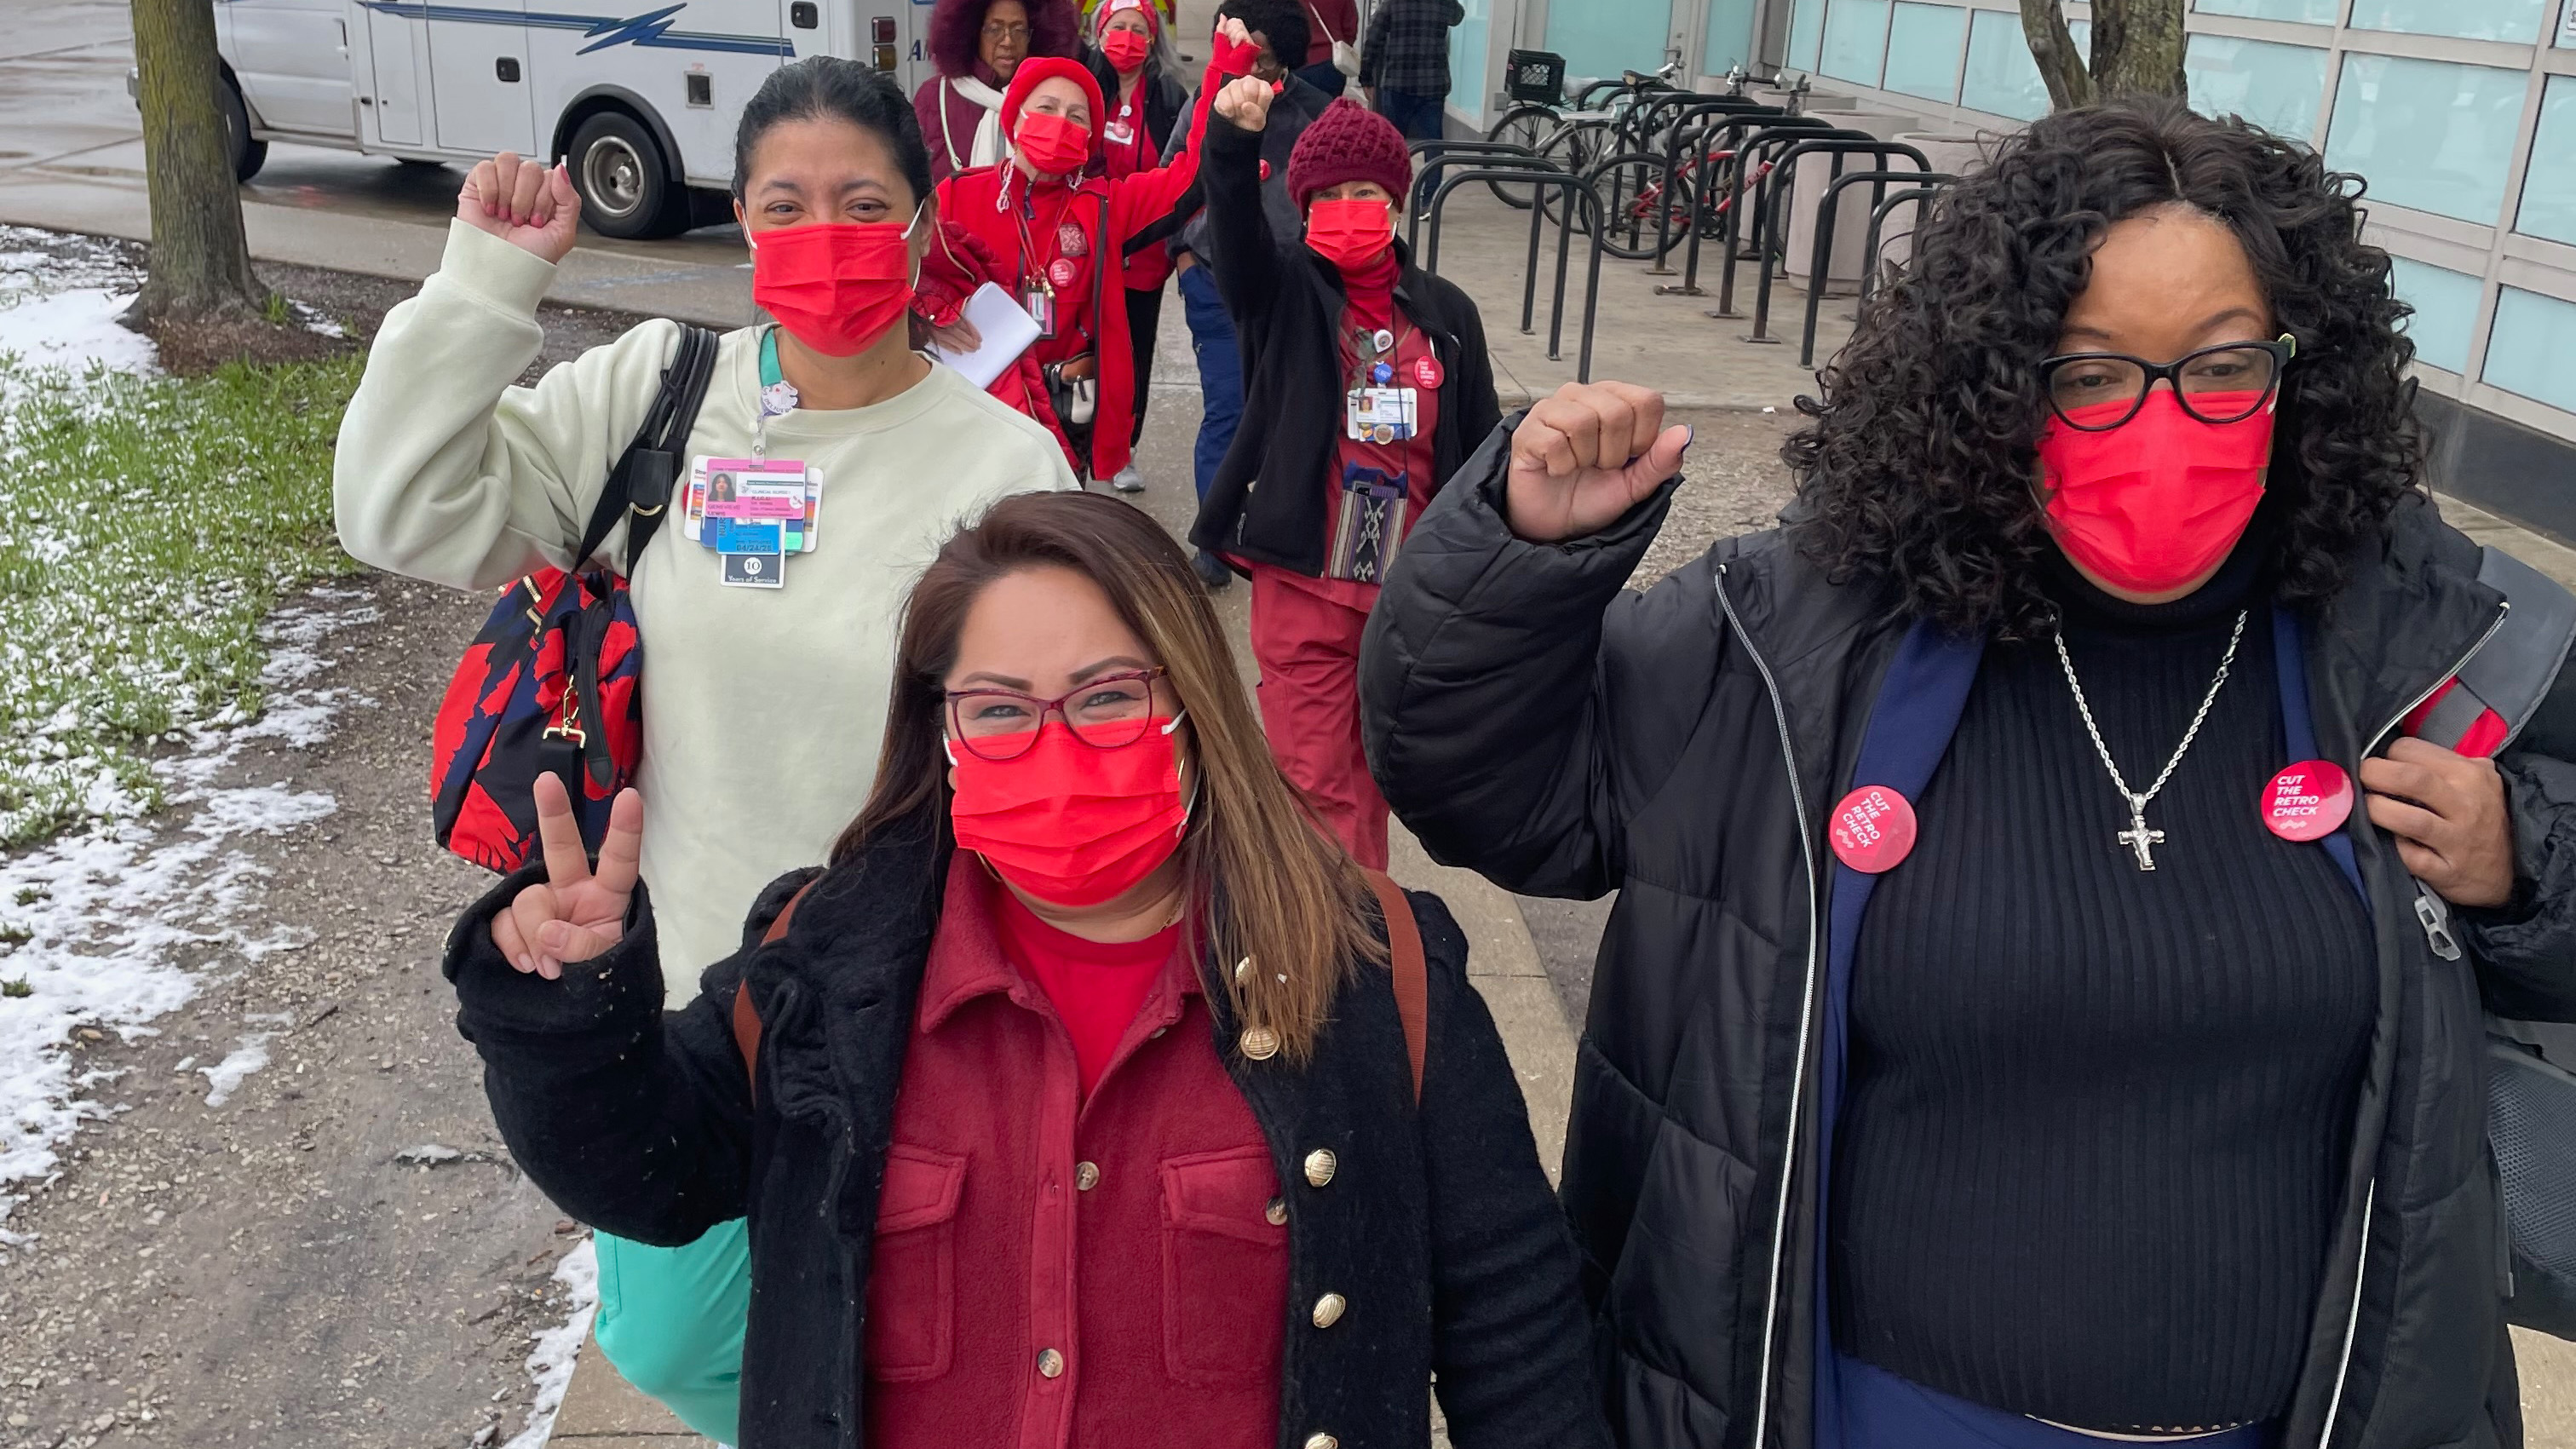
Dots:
(2307, 801)
(1426, 371)
(1872, 829)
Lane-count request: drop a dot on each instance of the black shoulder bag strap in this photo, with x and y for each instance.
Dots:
(639, 489)
(641, 481)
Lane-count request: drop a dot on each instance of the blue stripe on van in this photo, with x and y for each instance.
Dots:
(650, 30)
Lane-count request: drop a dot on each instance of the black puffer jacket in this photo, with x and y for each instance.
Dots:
(644, 1123)
(1529, 719)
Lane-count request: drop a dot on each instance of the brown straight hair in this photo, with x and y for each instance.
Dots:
(1267, 884)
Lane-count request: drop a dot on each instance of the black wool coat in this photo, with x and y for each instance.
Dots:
(1269, 502)
(645, 1124)
(1531, 718)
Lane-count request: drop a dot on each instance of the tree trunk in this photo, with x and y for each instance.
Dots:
(2052, 45)
(200, 261)
(2138, 48)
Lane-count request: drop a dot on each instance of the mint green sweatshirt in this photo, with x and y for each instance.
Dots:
(763, 708)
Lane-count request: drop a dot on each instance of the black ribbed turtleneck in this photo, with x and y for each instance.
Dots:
(2096, 1118)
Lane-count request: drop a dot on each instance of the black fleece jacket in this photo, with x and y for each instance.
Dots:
(1287, 308)
(1437, 1223)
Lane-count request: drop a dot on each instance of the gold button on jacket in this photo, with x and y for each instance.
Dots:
(1328, 1309)
(1086, 1176)
(1260, 1043)
(1319, 1166)
(1322, 1441)
(1277, 1212)
(1050, 1364)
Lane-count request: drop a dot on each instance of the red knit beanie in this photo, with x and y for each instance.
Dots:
(1037, 70)
(1348, 142)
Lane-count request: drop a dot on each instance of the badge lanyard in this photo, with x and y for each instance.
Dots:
(1038, 299)
(778, 396)
(1375, 391)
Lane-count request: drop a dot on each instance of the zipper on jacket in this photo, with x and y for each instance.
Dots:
(1806, 1019)
(2435, 918)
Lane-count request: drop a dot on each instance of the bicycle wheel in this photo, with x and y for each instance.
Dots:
(1573, 148)
(1529, 126)
(1636, 200)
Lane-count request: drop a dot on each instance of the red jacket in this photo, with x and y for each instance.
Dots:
(1051, 1271)
(1078, 236)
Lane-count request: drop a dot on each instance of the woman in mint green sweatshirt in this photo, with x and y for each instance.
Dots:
(762, 722)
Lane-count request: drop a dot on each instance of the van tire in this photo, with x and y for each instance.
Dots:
(246, 154)
(625, 180)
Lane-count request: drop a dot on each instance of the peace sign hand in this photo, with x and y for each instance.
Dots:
(574, 915)
(1587, 454)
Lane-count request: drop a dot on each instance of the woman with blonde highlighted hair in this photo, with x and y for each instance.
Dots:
(1082, 1098)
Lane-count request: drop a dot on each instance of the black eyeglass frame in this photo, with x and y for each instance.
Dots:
(2284, 350)
(957, 730)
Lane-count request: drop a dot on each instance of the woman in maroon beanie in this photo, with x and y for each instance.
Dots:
(1378, 384)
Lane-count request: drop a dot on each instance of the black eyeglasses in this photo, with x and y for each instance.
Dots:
(1108, 713)
(2094, 392)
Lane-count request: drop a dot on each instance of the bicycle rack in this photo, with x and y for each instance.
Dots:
(1577, 189)
(1674, 147)
(1705, 140)
(1426, 155)
(1752, 189)
(1837, 144)
(1878, 216)
(1820, 263)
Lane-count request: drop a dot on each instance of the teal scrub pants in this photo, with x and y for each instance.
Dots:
(670, 1322)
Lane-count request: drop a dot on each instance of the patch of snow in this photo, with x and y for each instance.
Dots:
(558, 1348)
(121, 924)
(225, 1075)
(76, 328)
(429, 1154)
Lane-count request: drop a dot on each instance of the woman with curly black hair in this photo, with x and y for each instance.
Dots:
(2119, 1072)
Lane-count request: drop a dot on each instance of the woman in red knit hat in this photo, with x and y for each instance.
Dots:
(1059, 235)
(1377, 386)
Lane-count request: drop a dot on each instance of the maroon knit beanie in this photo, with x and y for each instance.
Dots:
(1348, 142)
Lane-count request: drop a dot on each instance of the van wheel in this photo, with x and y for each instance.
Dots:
(624, 180)
(246, 155)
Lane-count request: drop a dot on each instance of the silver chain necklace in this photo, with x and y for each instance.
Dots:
(2138, 838)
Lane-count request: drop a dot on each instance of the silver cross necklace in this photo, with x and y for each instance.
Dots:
(2138, 838)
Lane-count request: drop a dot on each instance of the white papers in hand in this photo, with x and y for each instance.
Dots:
(1007, 332)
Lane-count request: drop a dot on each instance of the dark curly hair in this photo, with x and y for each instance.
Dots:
(1917, 469)
(957, 25)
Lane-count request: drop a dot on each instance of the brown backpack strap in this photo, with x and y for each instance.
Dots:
(746, 1017)
(1412, 983)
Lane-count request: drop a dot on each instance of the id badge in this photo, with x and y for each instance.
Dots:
(693, 500)
(755, 570)
(1359, 413)
(1391, 413)
(730, 536)
(1040, 305)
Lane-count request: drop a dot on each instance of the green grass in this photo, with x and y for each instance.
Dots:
(147, 525)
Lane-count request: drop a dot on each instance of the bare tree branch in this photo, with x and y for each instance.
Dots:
(2052, 45)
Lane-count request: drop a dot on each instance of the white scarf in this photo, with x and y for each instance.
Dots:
(987, 148)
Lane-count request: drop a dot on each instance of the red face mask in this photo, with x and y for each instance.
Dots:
(1126, 49)
(836, 286)
(2156, 502)
(1068, 823)
(1054, 145)
(1350, 234)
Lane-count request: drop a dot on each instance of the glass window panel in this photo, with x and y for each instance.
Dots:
(2428, 134)
(1806, 32)
(1923, 50)
(2446, 310)
(2277, 87)
(2002, 78)
(1730, 36)
(2528, 350)
(2514, 20)
(1855, 40)
(2549, 185)
(1467, 58)
(1600, 38)
(2313, 12)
